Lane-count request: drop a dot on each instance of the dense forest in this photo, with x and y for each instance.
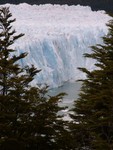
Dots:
(31, 120)
(106, 5)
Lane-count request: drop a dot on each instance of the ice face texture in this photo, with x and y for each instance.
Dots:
(56, 37)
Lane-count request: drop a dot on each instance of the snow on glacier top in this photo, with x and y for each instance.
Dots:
(56, 37)
(50, 20)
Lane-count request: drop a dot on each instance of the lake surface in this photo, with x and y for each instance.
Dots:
(71, 89)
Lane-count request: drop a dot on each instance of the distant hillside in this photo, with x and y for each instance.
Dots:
(106, 5)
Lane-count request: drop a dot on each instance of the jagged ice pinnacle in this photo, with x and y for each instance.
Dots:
(56, 37)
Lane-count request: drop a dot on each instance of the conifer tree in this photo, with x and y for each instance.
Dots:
(13, 83)
(92, 126)
(28, 117)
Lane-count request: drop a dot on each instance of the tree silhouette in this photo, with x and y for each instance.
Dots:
(93, 117)
(28, 117)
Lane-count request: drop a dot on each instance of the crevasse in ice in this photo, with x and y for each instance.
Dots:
(56, 37)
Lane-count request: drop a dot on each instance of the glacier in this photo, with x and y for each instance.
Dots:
(56, 37)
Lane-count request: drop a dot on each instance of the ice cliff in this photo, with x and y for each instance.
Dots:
(56, 37)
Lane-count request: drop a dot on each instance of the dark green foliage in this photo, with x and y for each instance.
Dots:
(29, 118)
(93, 111)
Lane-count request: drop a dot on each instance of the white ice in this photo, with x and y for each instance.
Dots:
(56, 37)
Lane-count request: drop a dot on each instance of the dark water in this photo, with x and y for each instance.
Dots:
(72, 90)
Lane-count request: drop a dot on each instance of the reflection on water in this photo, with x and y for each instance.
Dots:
(71, 89)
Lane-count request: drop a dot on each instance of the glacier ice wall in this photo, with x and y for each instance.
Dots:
(56, 37)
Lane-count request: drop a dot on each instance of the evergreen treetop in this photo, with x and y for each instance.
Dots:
(93, 119)
(28, 117)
